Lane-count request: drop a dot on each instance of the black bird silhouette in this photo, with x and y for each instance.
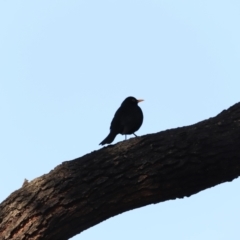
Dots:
(127, 119)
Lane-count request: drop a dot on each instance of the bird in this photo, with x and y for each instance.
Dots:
(127, 119)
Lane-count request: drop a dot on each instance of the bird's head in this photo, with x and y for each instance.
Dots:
(132, 100)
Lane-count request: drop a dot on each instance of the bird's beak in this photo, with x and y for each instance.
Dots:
(140, 100)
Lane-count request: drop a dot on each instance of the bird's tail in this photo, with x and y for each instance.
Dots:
(110, 137)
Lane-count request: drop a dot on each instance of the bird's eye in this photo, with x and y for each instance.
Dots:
(133, 100)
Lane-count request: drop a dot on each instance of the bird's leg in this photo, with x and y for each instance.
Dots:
(125, 137)
(134, 134)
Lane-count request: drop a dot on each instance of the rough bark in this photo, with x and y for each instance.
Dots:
(157, 167)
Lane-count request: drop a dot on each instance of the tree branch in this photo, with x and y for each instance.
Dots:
(157, 167)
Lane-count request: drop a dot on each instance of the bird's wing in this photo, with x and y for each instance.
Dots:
(117, 122)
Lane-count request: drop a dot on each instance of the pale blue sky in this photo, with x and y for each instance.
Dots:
(66, 66)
